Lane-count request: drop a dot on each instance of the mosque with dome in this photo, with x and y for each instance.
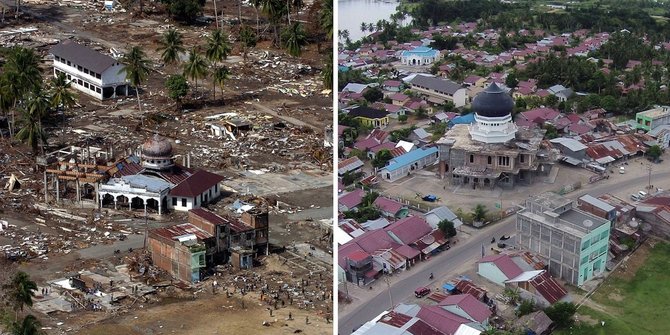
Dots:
(492, 151)
(152, 179)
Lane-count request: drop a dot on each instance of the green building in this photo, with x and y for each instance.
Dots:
(573, 243)
(652, 118)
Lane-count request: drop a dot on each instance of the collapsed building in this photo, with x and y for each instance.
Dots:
(149, 179)
(187, 250)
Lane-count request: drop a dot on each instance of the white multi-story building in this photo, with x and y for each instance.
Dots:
(89, 71)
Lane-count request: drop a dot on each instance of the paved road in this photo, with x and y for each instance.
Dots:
(444, 264)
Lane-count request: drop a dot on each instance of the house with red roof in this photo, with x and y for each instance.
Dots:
(409, 230)
(498, 268)
(350, 200)
(441, 319)
(391, 208)
(392, 85)
(544, 288)
(466, 306)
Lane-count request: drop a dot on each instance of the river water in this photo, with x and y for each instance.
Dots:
(353, 12)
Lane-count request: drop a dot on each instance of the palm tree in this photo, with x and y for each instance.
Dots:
(275, 10)
(371, 27)
(218, 47)
(196, 66)
(21, 290)
(172, 45)
(257, 4)
(294, 39)
(136, 71)
(29, 326)
(479, 213)
(23, 75)
(326, 17)
(327, 74)
(248, 40)
(364, 27)
(220, 75)
(61, 95)
(31, 132)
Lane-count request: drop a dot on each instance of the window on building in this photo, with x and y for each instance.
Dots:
(603, 235)
(183, 202)
(522, 158)
(236, 238)
(602, 250)
(250, 236)
(490, 160)
(472, 158)
(68, 63)
(80, 68)
(174, 201)
(585, 245)
(216, 187)
(201, 260)
(195, 201)
(97, 75)
(585, 259)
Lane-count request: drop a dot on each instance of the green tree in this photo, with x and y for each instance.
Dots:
(561, 313)
(526, 307)
(327, 73)
(185, 10)
(196, 66)
(171, 45)
(349, 136)
(218, 47)
(275, 10)
(447, 227)
(21, 291)
(381, 158)
(512, 294)
(248, 40)
(219, 77)
(61, 96)
(136, 70)
(177, 87)
(479, 213)
(349, 178)
(421, 113)
(511, 81)
(654, 152)
(551, 131)
(402, 118)
(22, 75)
(373, 94)
(29, 326)
(294, 38)
(31, 132)
(369, 198)
(326, 17)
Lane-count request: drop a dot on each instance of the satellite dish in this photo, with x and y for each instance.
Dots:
(588, 223)
(633, 223)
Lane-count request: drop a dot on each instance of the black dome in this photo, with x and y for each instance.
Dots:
(493, 102)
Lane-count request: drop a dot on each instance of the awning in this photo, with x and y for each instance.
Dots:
(570, 160)
(605, 160)
(430, 248)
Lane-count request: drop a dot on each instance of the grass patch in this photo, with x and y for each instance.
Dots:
(636, 306)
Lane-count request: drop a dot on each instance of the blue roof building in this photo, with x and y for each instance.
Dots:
(419, 56)
(404, 165)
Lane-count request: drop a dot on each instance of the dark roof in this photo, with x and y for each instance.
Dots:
(443, 86)
(368, 112)
(196, 184)
(493, 102)
(83, 55)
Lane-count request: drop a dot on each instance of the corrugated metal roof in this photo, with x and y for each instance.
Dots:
(597, 202)
(84, 56)
(196, 184)
(176, 231)
(476, 309)
(410, 157)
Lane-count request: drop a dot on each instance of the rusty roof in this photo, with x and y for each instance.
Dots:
(175, 231)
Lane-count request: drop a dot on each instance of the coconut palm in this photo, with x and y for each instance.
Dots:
(172, 45)
(258, 4)
(275, 10)
(326, 17)
(61, 96)
(196, 66)
(479, 213)
(136, 70)
(248, 40)
(219, 76)
(294, 39)
(21, 291)
(327, 74)
(218, 47)
(29, 326)
(32, 132)
(37, 104)
(364, 27)
(22, 76)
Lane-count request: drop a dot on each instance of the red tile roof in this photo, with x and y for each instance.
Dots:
(548, 287)
(504, 263)
(409, 229)
(476, 309)
(196, 184)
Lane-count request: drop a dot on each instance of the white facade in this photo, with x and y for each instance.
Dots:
(99, 85)
(135, 189)
(493, 129)
(184, 203)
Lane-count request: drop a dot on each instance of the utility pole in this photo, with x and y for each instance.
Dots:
(649, 168)
(388, 284)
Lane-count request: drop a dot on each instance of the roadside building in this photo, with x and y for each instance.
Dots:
(573, 243)
(597, 207)
(653, 118)
(391, 208)
(370, 117)
(180, 250)
(89, 71)
(439, 214)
